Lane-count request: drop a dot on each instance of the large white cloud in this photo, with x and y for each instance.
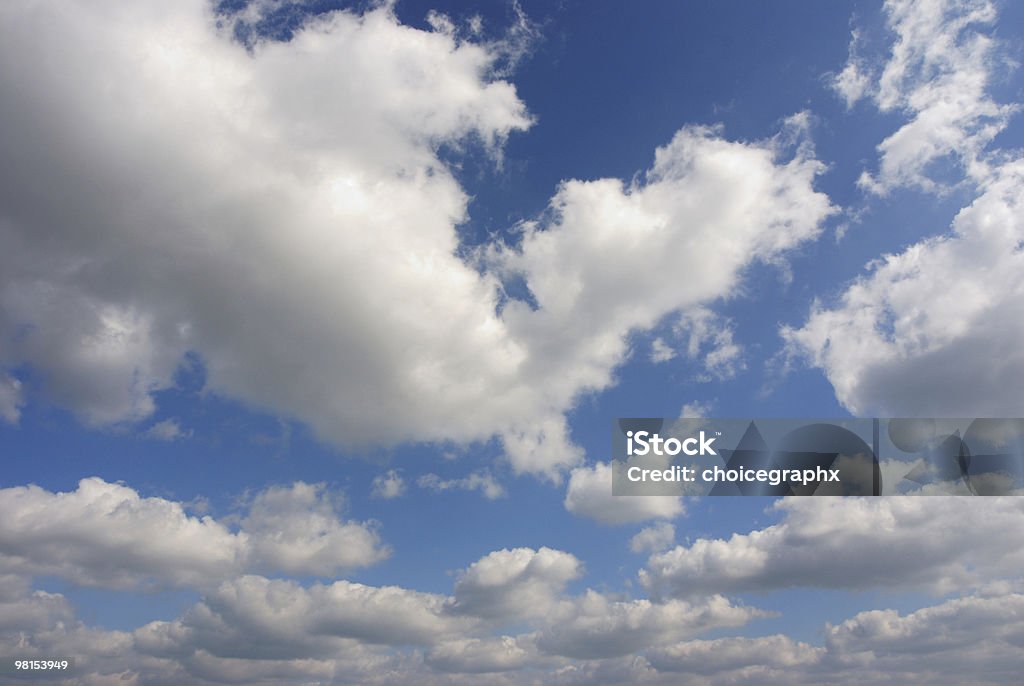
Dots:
(933, 330)
(613, 257)
(284, 213)
(977, 635)
(105, 534)
(941, 544)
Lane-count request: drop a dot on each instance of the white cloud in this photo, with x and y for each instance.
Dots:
(777, 652)
(937, 75)
(594, 626)
(981, 636)
(167, 430)
(661, 351)
(610, 260)
(934, 330)
(696, 410)
(706, 338)
(388, 485)
(258, 630)
(253, 621)
(477, 481)
(514, 583)
(296, 529)
(710, 340)
(853, 83)
(24, 610)
(589, 494)
(284, 214)
(107, 535)
(11, 399)
(653, 539)
(324, 176)
(477, 656)
(940, 544)
(253, 617)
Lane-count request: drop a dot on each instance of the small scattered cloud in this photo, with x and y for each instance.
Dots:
(696, 410)
(482, 481)
(388, 485)
(589, 494)
(710, 341)
(855, 81)
(654, 539)
(167, 430)
(661, 351)
(11, 399)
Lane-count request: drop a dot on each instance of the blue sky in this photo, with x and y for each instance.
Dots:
(314, 318)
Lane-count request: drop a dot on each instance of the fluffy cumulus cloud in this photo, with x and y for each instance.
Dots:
(933, 329)
(24, 610)
(589, 494)
(653, 538)
(509, 612)
(256, 630)
(944, 545)
(105, 534)
(254, 618)
(296, 529)
(610, 258)
(282, 212)
(513, 583)
(973, 635)
(768, 653)
(478, 656)
(595, 626)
